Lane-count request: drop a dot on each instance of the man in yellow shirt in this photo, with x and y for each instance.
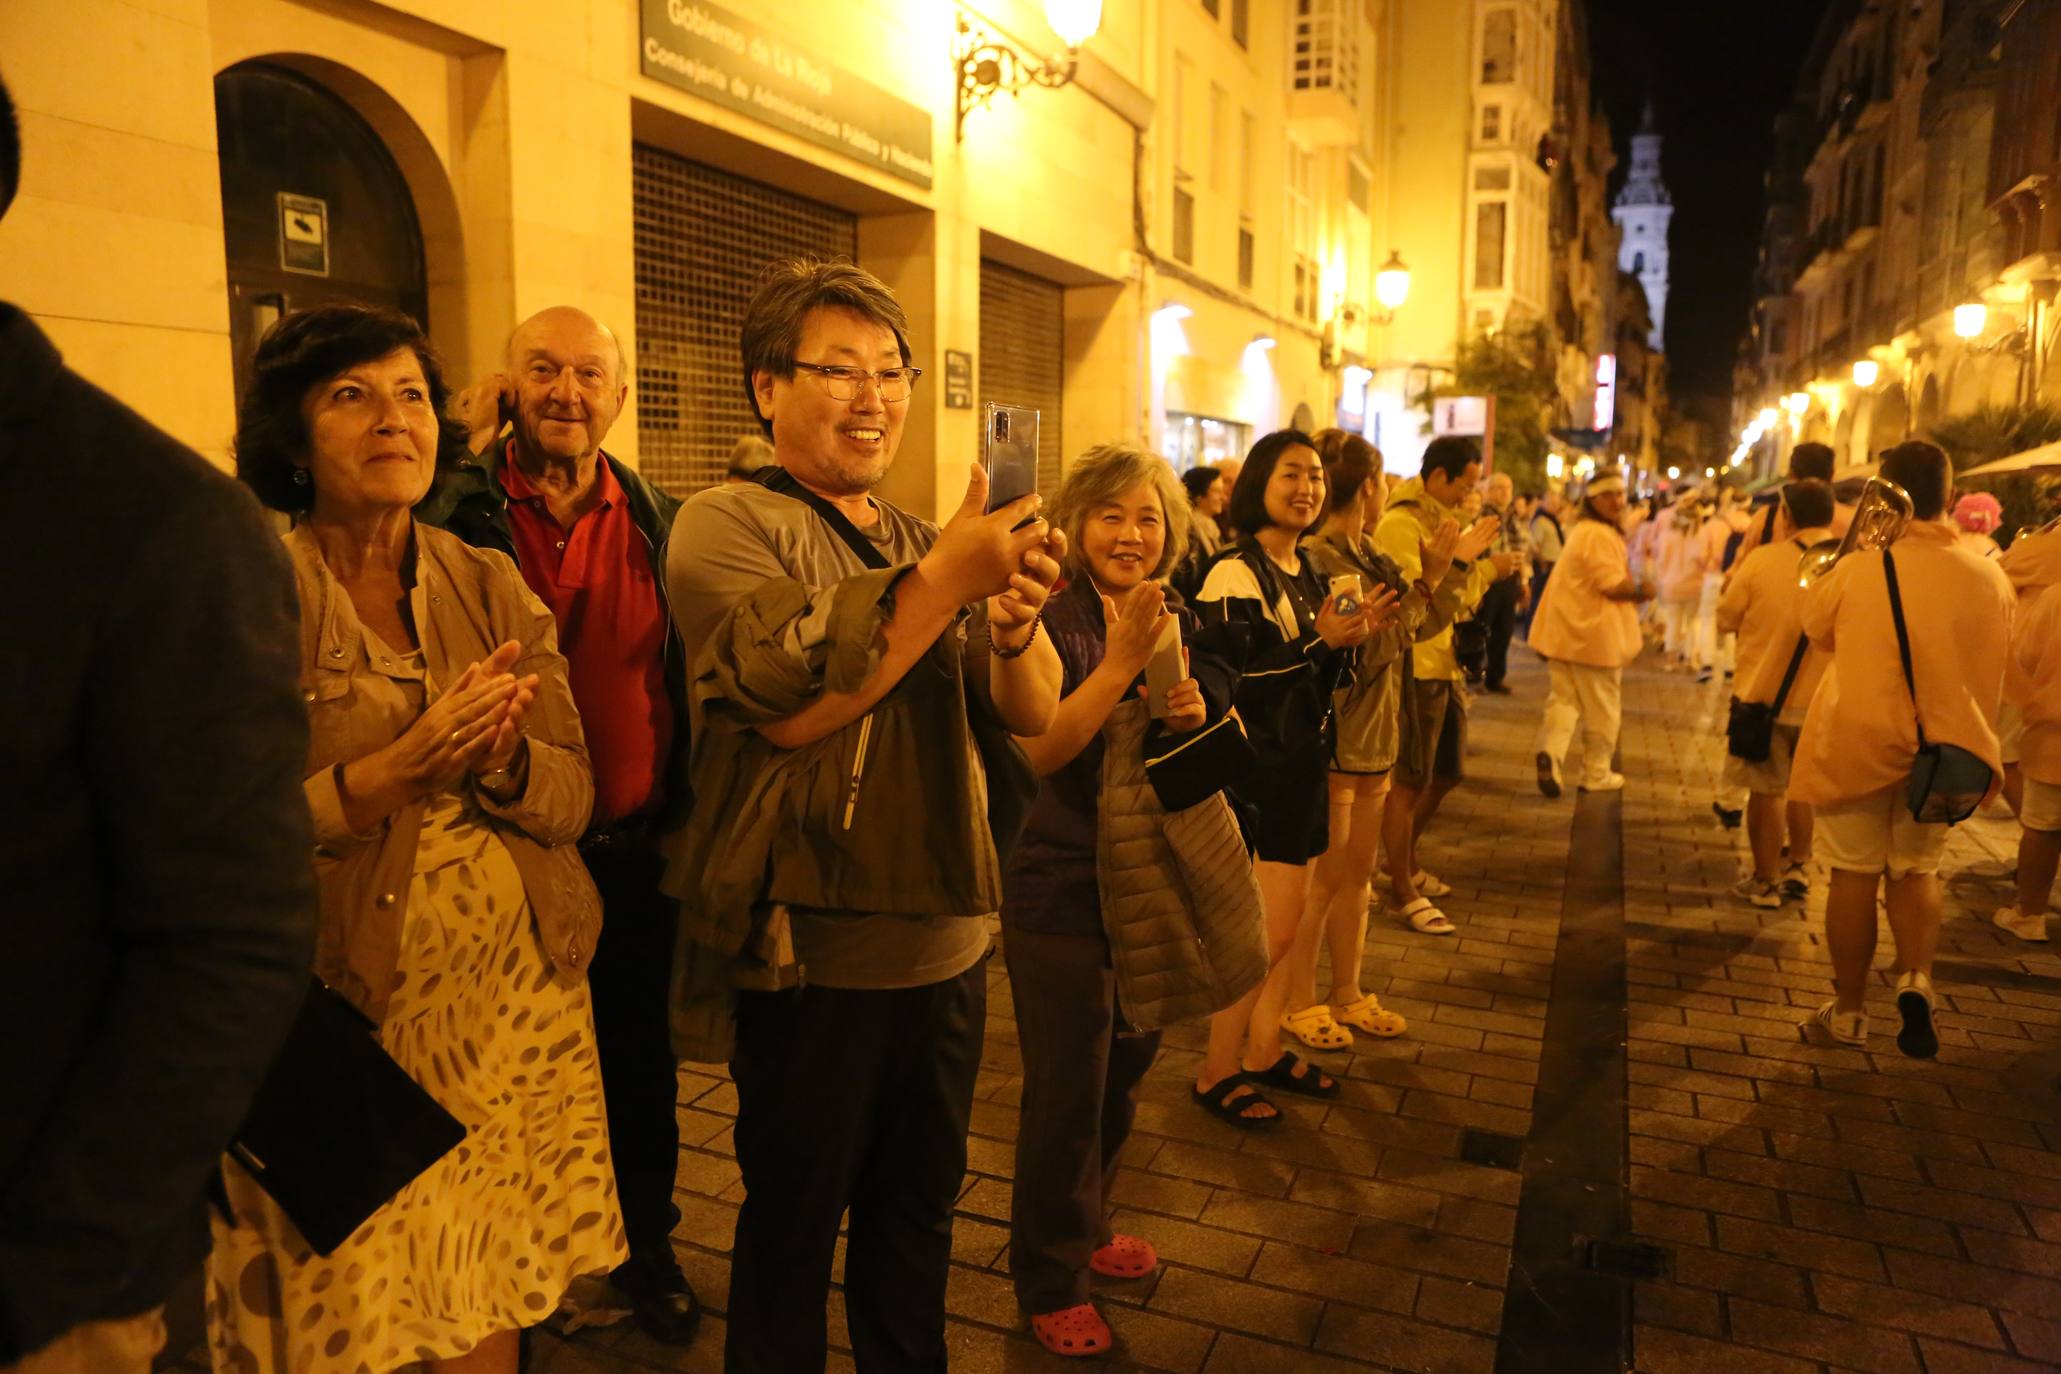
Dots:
(1434, 706)
(1860, 737)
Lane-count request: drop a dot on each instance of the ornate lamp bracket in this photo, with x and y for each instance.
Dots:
(988, 66)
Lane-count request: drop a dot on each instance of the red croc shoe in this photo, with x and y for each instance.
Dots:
(1076, 1330)
(1125, 1257)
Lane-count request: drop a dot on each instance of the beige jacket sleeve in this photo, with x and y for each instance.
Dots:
(557, 797)
(334, 837)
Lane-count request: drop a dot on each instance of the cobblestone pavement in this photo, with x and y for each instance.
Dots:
(1820, 1209)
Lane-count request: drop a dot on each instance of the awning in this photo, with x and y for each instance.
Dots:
(2045, 458)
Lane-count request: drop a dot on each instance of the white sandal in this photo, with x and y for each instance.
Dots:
(1315, 1028)
(1426, 919)
(1370, 1016)
(1429, 884)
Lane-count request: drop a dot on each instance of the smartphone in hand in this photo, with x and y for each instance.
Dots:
(1345, 593)
(1166, 669)
(1009, 452)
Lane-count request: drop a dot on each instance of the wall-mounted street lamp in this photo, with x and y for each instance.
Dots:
(1391, 287)
(1865, 373)
(1972, 319)
(1797, 403)
(987, 66)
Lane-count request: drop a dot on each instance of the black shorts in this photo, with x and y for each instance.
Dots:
(1285, 806)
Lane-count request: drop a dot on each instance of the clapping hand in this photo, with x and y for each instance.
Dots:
(507, 739)
(1131, 633)
(456, 733)
(483, 408)
(1378, 610)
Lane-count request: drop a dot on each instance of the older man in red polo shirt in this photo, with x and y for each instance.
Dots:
(590, 537)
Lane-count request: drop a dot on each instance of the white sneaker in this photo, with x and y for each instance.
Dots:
(1847, 1027)
(2032, 929)
(1796, 883)
(1767, 896)
(1919, 1038)
(1609, 782)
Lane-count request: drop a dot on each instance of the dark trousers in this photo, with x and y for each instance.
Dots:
(1498, 615)
(858, 1099)
(632, 969)
(1080, 1082)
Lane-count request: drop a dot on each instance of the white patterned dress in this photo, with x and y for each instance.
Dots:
(493, 1235)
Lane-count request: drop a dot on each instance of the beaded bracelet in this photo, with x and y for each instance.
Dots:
(999, 652)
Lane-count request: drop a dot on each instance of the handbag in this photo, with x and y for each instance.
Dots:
(1012, 781)
(1750, 728)
(338, 1128)
(1947, 782)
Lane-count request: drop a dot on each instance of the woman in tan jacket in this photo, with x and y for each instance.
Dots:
(448, 779)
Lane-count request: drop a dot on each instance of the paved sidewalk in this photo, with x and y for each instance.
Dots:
(1353, 1237)
(1828, 1207)
(1820, 1209)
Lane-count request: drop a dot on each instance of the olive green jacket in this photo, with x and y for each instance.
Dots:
(1368, 707)
(846, 823)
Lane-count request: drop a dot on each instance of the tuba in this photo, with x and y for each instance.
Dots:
(1878, 518)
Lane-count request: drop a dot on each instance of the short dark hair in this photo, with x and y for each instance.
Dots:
(1809, 503)
(300, 350)
(1198, 481)
(1349, 460)
(1811, 460)
(787, 290)
(10, 151)
(1247, 512)
(1924, 472)
(1451, 454)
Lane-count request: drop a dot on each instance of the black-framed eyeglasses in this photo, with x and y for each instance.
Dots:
(843, 383)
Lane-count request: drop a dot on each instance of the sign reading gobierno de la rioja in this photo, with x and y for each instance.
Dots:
(720, 56)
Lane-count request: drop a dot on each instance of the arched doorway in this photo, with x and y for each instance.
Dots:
(1888, 419)
(1928, 405)
(314, 209)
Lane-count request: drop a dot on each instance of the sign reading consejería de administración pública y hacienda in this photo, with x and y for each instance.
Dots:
(733, 61)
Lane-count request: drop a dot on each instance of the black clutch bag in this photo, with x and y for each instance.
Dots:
(338, 1127)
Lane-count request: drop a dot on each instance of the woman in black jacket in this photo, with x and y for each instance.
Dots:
(1295, 641)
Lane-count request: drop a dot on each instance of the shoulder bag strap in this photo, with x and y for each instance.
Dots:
(775, 478)
(1903, 639)
(1803, 644)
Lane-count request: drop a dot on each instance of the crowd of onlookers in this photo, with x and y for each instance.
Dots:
(557, 780)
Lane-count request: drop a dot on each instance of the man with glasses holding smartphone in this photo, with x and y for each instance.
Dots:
(590, 536)
(856, 673)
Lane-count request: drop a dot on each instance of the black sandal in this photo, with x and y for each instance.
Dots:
(1219, 1102)
(1311, 1083)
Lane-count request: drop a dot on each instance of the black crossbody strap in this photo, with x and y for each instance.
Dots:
(1803, 644)
(1903, 639)
(775, 478)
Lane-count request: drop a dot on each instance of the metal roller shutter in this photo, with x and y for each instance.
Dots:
(1023, 353)
(702, 237)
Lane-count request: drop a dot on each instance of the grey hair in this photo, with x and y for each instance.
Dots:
(787, 291)
(1104, 473)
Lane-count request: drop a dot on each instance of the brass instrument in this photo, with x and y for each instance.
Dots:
(1878, 518)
